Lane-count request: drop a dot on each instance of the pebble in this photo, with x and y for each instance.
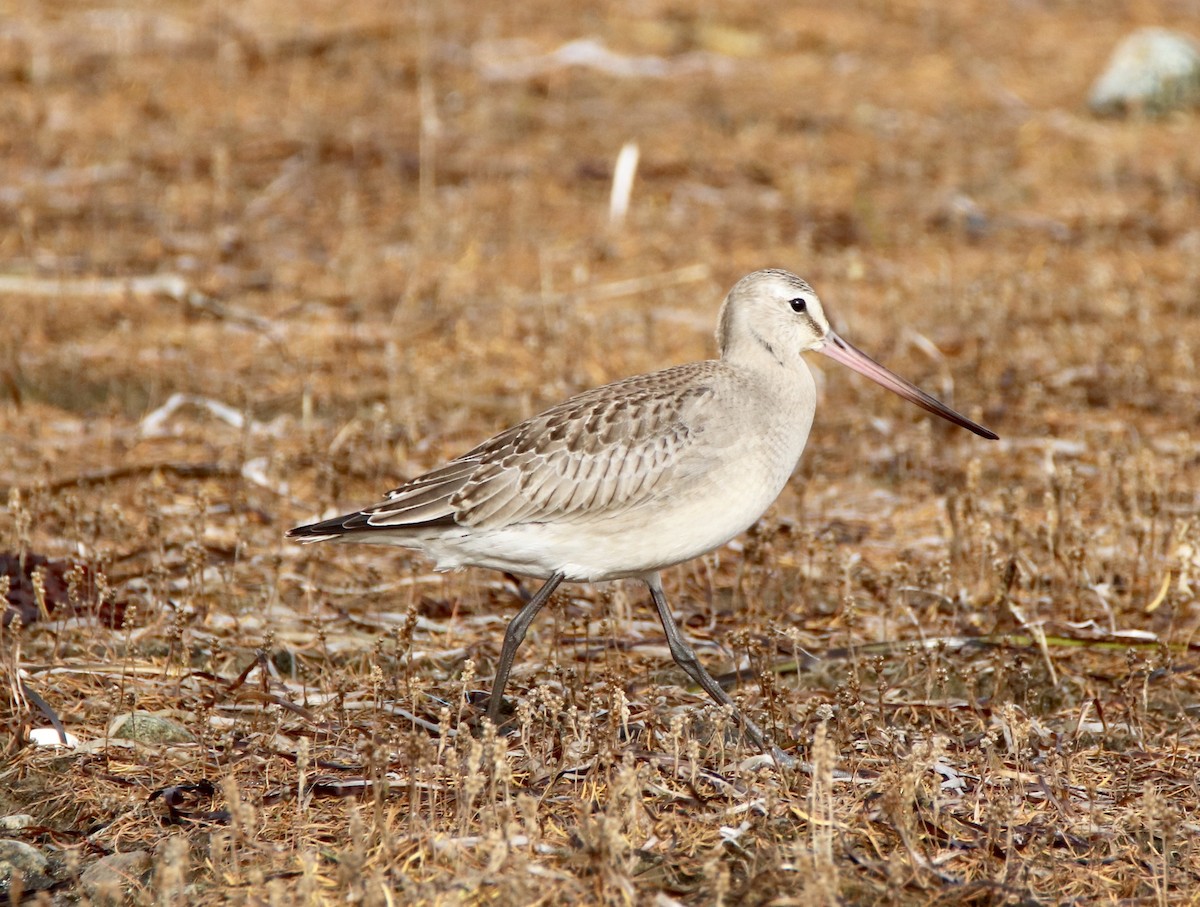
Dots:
(22, 868)
(1153, 70)
(146, 727)
(111, 878)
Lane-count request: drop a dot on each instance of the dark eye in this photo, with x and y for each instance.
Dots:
(799, 304)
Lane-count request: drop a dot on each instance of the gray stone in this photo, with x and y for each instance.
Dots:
(146, 727)
(111, 879)
(1152, 71)
(22, 868)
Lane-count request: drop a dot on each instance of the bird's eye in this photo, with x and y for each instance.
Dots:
(799, 304)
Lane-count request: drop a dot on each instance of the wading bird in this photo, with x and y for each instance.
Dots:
(635, 476)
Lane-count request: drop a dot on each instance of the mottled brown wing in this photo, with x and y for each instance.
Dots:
(605, 450)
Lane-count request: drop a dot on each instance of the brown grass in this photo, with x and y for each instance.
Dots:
(987, 652)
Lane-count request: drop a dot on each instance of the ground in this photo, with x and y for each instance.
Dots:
(359, 238)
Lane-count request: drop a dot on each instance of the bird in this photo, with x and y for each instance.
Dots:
(628, 479)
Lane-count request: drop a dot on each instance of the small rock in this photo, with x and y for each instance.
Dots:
(22, 868)
(48, 736)
(961, 212)
(146, 727)
(15, 822)
(111, 878)
(1153, 71)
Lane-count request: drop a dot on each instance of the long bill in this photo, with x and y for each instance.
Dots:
(839, 350)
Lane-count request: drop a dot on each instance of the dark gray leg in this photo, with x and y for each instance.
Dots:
(686, 658)
(513, 637)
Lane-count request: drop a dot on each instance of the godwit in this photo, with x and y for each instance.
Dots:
(638, 475)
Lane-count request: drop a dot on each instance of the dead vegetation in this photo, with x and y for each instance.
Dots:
(263, 260)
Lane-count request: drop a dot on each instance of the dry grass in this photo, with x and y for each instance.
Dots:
(377, 256)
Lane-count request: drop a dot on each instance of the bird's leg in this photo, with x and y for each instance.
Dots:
(522, 592)
(513, 637)
(686, 658)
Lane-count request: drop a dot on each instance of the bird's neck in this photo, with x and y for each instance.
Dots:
(753, 351)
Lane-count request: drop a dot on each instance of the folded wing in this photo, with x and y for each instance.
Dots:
(606, 450)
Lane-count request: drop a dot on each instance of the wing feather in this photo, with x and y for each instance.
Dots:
(603, 451)
(425, 498)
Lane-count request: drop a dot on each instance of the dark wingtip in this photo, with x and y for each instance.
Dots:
(309, 534)
(325, 529)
